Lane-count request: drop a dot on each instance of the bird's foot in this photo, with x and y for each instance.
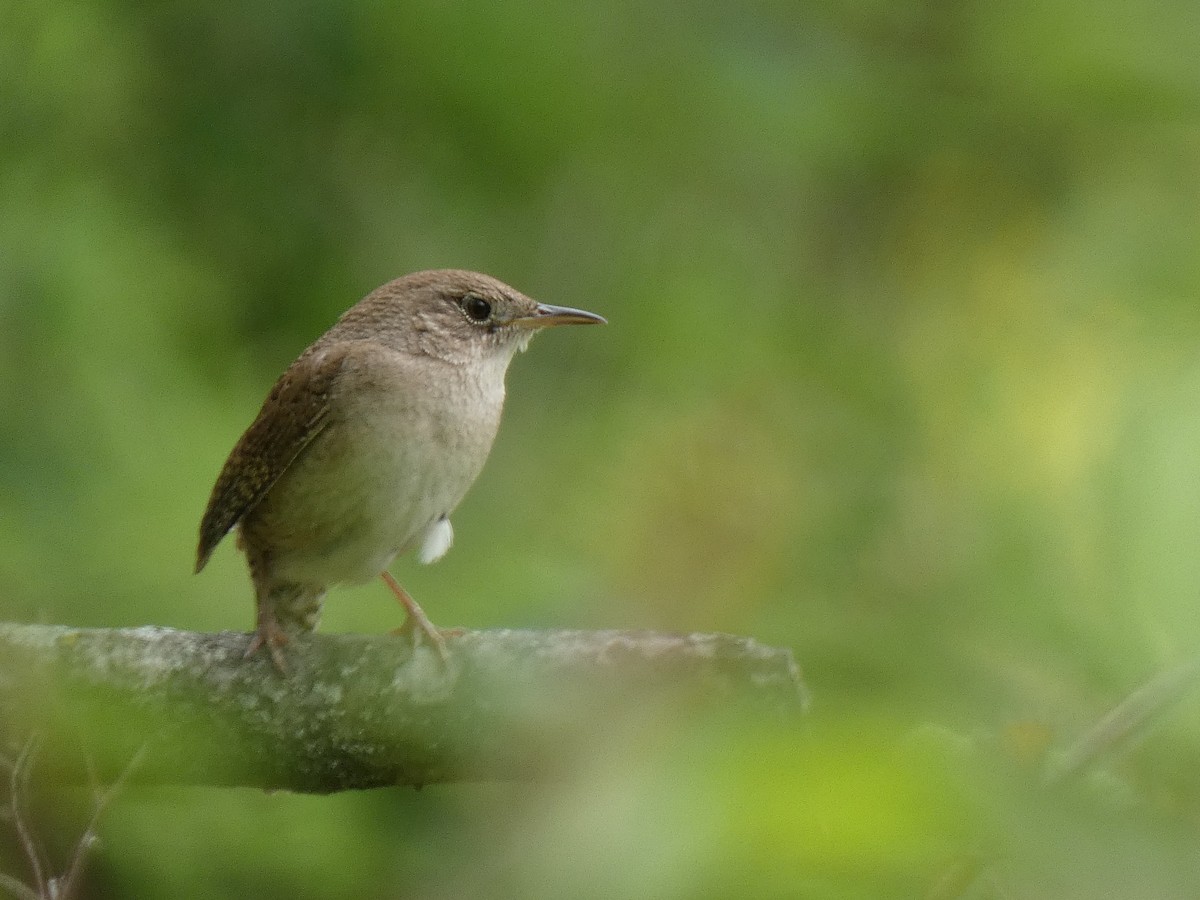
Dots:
(270, 635)
(414, 631)
(417, 623)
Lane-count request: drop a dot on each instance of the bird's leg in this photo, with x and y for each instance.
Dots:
(417, 615)
(269, 634)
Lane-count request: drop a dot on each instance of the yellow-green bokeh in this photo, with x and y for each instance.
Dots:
(902, 373)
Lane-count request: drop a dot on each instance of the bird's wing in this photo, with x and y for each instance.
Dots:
(299, 411)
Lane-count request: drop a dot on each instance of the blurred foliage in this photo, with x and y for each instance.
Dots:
(901, 372)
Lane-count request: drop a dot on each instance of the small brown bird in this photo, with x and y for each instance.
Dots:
(368, 442)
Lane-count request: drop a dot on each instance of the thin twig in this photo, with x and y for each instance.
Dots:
(18, 889)
(7, 763)
(19, 782)
(1125, 721)
(89, 838)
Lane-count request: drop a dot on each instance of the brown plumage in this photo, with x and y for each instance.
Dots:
(368, 442)
(292, 415)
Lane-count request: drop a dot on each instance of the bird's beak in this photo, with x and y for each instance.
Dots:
(545, 315)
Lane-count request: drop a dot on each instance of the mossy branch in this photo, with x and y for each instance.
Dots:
(358, 711)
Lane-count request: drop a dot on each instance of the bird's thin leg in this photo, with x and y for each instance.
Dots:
(417, 615)
(269, 634)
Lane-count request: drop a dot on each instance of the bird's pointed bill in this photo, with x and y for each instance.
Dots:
(546, 315)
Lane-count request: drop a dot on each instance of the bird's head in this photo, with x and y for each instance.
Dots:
(455, 315)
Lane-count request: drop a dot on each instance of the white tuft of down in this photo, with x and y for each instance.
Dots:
(437, 540)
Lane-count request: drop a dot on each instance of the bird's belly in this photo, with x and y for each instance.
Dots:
(356, 499)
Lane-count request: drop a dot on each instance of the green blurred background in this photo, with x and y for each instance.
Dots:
(902, 373)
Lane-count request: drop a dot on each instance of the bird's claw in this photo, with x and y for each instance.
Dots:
(271, 636)
(415, 630)
(416, 618)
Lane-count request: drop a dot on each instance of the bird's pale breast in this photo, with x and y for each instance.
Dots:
(398, 454)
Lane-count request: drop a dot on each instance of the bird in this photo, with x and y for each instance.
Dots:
(368, 442)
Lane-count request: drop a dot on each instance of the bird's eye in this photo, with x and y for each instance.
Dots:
(476, 308)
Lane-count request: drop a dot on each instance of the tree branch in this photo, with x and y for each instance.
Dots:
(358, 711)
